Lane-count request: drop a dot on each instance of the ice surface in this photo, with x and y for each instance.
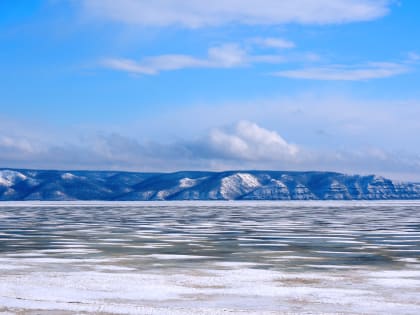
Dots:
(210, 258)
(228, 289)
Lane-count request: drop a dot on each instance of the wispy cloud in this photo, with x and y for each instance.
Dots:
(224, 56)
(368, 71)
(413, 56)
(271, 42)
(13, 143)
(194, 14)
(127, 65)
(233, 56)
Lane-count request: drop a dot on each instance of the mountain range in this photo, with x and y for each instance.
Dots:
(20, 184)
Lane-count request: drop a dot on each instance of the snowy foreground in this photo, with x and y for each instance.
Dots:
(210, 258)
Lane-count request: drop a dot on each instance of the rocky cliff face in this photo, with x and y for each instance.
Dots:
(231, 185)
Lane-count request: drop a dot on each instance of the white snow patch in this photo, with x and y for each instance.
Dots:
(237, 184)
(235, 289)
(68, 176)
(278, 183)
(9, 178)
(187, 182)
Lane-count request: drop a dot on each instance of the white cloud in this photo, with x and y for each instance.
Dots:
(270, 42)
(232, 55)
(245, 142)
(169, 62)
(127, 65)
(358, 136)
(223, 56)
(193, 13)
(413, 56)
(227, 56)
(347, 73)
(12, 143)
(248, 141)
(244, 146)
(345, 121)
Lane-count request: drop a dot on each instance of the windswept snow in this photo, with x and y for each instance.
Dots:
(238, 184)
(68, 176)
(9, 177)
(187, 182)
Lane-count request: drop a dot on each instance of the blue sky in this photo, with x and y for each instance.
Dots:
(168, 85)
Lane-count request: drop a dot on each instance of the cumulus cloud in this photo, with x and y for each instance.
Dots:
(369, 71)
(248, 141)
(223, 56)
(243, 142)
(194, 14)
(243, 145)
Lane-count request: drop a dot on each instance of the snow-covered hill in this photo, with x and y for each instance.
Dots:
(192, 185)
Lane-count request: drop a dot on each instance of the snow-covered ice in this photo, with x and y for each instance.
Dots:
(210, 258)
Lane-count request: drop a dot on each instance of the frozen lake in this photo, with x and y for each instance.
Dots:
(210, 258)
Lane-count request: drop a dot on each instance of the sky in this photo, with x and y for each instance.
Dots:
(171, 85)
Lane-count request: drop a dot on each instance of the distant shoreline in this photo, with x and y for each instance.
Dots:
(41, 185)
